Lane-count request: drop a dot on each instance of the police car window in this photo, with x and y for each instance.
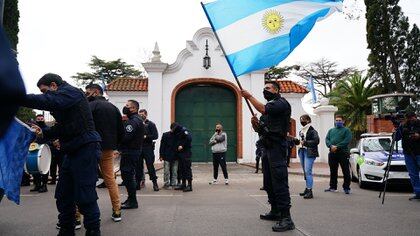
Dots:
(376, 145)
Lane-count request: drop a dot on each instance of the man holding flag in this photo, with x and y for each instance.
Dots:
(256, 35)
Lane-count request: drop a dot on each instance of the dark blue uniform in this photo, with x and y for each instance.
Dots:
(147, 153)
(40, 180)
(277, 114)
(183, 138)
(130, 149)
(81, 144)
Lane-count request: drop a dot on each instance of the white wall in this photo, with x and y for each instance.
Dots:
(119, 98)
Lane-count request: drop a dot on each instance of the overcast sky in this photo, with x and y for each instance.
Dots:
(61, 36)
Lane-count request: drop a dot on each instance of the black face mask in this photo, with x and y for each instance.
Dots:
(303, 123)
(126, 111)
(40, 123)
(90, 98)
(218, 130)
(269, 95)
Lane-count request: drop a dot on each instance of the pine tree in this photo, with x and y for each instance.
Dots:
(387, 30)
(411, 71)
(10, 21)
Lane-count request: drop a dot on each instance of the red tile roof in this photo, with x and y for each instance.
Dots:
(128, 84)
(141, 84)
(287, 86)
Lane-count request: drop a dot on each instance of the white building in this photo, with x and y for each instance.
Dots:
(197, 98)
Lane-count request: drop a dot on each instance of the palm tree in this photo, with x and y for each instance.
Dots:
(351, 97)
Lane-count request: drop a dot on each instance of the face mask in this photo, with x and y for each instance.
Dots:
(269, 95)
(303, 123)
(126, 111)
(90, 98)
(217, 130)
(339, 124)
(40, 123)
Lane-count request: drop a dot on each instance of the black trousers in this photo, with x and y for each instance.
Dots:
(40, 179)
(129, 163)
(184, 164)
(342, 159)
(276, 175)
(257, 163)
(77, 186)
(148, 155)
(219, 159)
(56, 161)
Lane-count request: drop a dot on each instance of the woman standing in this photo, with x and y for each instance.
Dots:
(308, 151)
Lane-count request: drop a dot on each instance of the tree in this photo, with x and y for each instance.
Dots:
(411, 71)
(275, 73)
(105, 71)
(387, 29)
(11, 21)
(25, 114)
(325, 74)
(351, 97)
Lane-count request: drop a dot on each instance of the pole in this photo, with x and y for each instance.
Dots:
(224, 53)
(1, 12)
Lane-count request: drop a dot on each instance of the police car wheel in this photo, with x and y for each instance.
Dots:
(362, 184)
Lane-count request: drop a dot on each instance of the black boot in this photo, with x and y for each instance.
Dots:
(188, 188)
(304, 192)
(131, 203)
(93, 232)
(181, 187)
(66, 232)
(155, 186)
(285, 222)
(274, 214)
(308, 194)
(43, 188)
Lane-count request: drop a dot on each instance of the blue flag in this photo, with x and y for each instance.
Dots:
(258, 34)
(14, 146)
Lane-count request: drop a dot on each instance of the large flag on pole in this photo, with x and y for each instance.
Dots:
(311, 88)
(258, 34)
(14, 146)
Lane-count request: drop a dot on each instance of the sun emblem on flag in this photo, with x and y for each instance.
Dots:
(272, 21)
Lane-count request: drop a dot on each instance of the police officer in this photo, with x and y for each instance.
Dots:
(409, 132)
(40, 180)
(183, 141)
(274, 133)
(130, 150)
(148, 151)
(81, 144)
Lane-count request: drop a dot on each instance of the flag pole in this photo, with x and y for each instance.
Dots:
(224, 53)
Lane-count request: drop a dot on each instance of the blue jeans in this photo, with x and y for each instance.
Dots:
(413, 167)
(307, 163)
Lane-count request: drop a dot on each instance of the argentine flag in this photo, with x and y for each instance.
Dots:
(258, 34)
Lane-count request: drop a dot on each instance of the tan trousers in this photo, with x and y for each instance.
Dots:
(107, 169)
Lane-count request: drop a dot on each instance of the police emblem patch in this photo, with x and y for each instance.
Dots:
(129, 128)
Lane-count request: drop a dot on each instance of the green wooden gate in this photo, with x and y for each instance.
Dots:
(199, 108)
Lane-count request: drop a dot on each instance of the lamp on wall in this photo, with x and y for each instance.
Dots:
(206, 58)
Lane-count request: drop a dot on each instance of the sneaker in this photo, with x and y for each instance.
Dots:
(213, 182)
(347, 191)
(414, 198)
(226, 182)
(116, 216)
(77, 226)
(331, 190)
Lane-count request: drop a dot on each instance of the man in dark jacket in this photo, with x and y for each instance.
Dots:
(108, 123)
(183, 141)
(308, 152)
(80, 142)
(167, 154)
(148, 151)
(130, 150)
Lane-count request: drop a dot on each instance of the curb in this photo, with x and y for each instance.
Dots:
(292, 172)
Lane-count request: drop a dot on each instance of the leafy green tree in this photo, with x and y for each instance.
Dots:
(105, 71)
(275, 73)
(325, 74)
(351, 97)
(411, 71)
(387, 30)
(25, 114)
(11, 21)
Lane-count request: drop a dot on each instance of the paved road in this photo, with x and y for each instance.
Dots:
(228, 210)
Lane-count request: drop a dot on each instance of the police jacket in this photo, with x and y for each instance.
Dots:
(311, 142)
(410, 145)
(183, 138)
(168, 147)
(134, 134)
(108, 122)
(74, 123)
(278, 113)
(151, 133)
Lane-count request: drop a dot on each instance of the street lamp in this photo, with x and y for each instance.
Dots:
(206, 58)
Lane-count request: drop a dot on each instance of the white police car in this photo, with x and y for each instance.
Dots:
(368, 160)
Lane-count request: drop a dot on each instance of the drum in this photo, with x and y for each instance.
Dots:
(39, 159)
